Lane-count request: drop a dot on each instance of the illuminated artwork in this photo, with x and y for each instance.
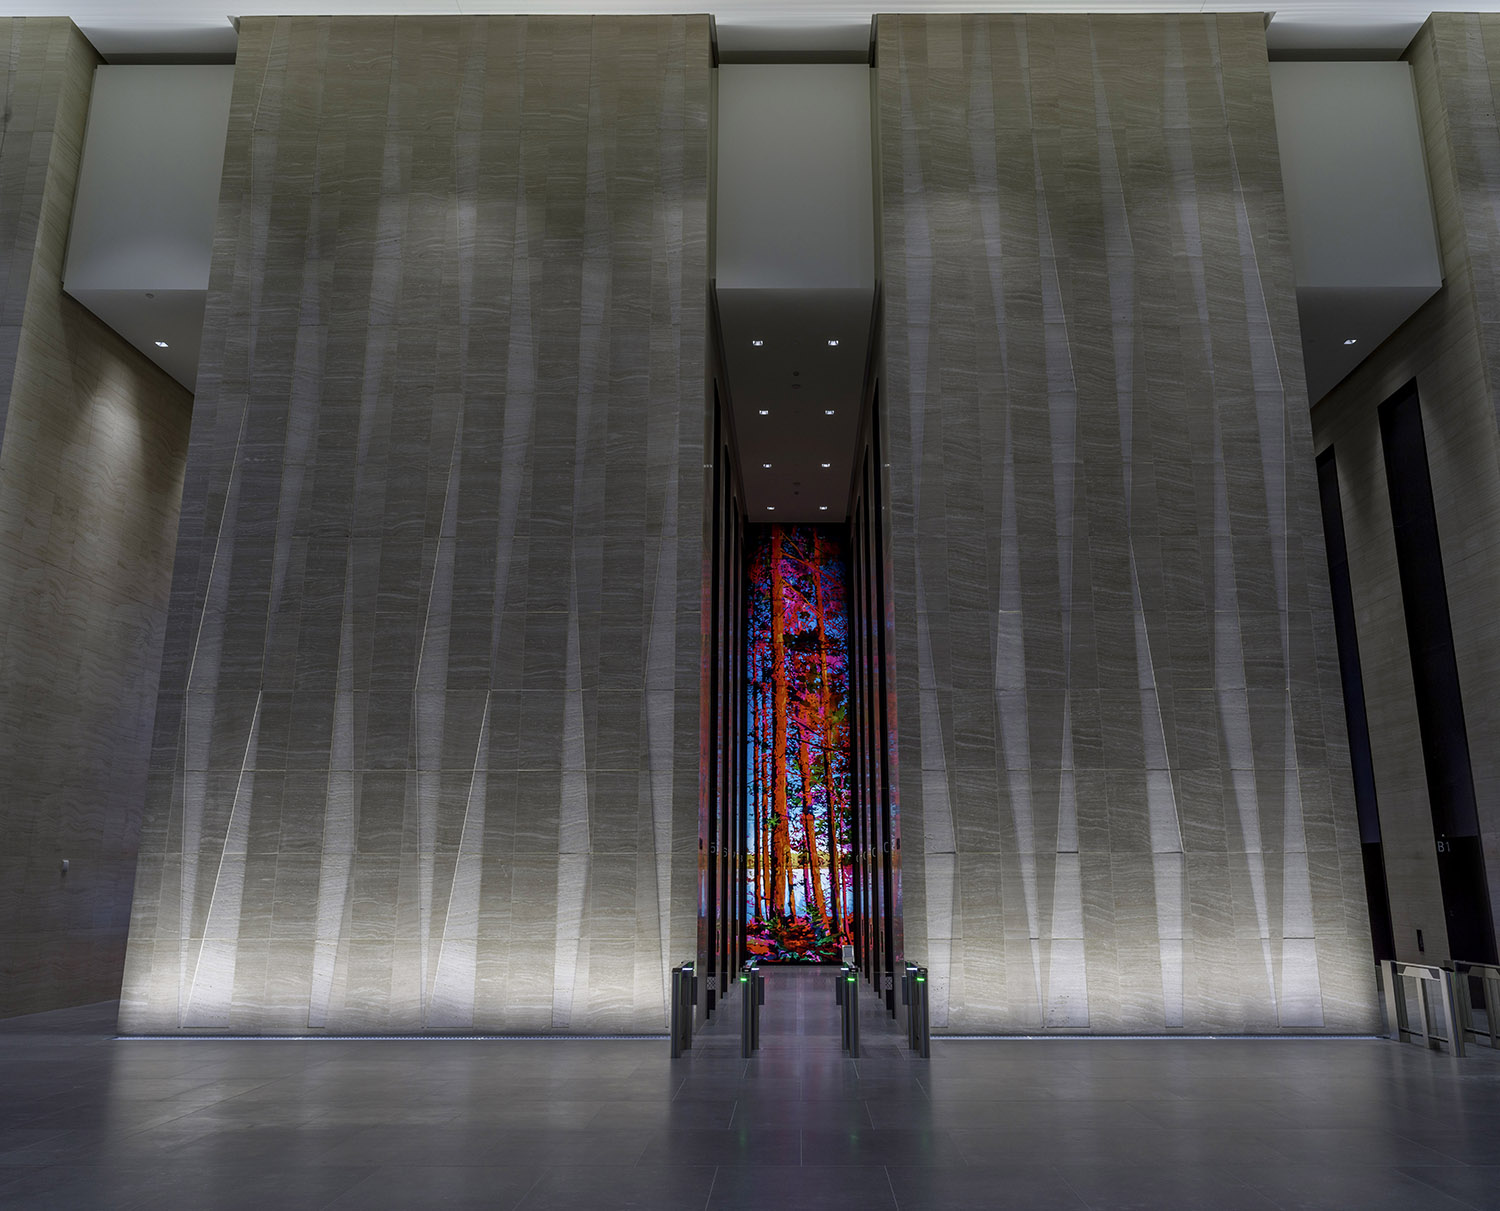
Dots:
(798, 872)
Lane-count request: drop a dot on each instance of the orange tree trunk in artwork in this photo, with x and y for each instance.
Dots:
(825, 709)
(781, 841)
(763, 755)
(809, 823)
(760, 823)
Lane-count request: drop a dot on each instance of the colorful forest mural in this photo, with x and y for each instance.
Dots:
(798, 862)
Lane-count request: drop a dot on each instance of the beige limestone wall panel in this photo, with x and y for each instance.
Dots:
(94, 442)
(427, 751)
(1124, 777)
(1451, 347)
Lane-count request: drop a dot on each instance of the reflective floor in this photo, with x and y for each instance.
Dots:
(86, 1121)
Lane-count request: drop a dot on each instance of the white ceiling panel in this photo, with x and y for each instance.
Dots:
(796, 204)
(1300, 27)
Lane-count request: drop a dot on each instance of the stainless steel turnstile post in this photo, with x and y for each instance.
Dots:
(1438, 980)
(752, 997)
(1489, 978)
(924, 1019)
(908, 1001)
(846, 996)
(684, 990)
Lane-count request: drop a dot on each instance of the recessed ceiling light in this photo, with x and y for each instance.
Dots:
(822, 508)
(765, 412)
(770, 508)
(767, 466)
(757, 344)
(827, 411)
(833, 344)
(1353, 340)
(161, 344)
(826, 466)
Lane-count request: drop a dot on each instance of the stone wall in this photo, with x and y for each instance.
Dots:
(1451, 348)
(91, 464)
(1124, 786)
(427, 747)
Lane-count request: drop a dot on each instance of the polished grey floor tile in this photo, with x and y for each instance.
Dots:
(650, 1187)
(452, 1187)
(1331, 1186)
(981, 1188)
(1259, 1125)
(806, 1187)
(1115, 1187)
(880, 1146)
(1473, 1185)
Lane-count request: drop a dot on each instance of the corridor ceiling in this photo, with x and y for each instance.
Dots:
(123, 30)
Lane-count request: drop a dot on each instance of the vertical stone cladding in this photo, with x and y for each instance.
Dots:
(1451, 348)
(92, 443)
(1124, 782)
(427, 746)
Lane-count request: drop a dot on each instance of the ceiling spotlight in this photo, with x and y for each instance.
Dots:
(1352, 341)
(822, 508)
(161, 344)
(826, 466)
(757, 344)
(833, 344)
(827, 411)
(770, 508)
(765, 412)
(767, 466)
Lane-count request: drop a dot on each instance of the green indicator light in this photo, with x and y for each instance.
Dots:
(921, 979)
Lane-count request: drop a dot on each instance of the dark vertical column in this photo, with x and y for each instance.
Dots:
(873, 826)
(855, 739)
(1360, 758)
(1439, 698)
(729, 697)
(867, 722)
(872, 768)
(860, 780)
(744, 833)
(882, 749)
(710, 910)
(726, 838)
(734, 943)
